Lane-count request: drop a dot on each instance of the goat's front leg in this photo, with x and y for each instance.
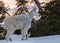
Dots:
(24, 33)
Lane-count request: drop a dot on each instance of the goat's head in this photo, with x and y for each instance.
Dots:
(36, 15)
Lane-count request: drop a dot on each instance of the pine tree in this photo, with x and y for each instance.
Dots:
(50, 23)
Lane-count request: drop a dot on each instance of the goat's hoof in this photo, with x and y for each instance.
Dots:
(24, 39)
(21, 39)
(10, 39)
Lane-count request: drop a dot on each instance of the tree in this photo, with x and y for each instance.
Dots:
(2, 12)
(51, 25)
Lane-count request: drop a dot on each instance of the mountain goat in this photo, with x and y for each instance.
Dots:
(22, 22)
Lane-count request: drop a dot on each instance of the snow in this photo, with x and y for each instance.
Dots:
(43, 39)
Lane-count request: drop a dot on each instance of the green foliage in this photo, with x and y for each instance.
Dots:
(51, 25)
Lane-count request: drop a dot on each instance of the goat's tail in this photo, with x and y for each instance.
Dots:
(2, 24)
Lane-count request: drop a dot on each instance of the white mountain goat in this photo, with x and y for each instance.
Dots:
(22, 22)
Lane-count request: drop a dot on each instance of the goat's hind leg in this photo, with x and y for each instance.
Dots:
(8, 35)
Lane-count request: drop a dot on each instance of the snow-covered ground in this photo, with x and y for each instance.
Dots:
(44, 39)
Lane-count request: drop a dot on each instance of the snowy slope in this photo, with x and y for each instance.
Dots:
(45, 39)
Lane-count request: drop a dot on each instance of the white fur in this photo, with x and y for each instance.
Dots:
(22, 22)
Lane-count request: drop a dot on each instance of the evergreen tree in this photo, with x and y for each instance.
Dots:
(51, 21)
